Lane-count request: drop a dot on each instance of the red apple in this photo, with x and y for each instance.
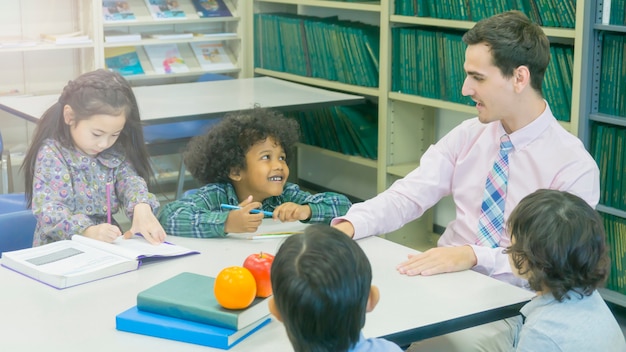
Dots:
(259, 265)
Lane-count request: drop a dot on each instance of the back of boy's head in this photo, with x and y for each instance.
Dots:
(211, 157)
(559, 243)
(321, 282)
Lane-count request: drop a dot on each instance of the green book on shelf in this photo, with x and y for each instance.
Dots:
(617, 169)
(609, 154)
(190, 297)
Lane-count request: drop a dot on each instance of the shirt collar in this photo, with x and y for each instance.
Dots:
(524, 136)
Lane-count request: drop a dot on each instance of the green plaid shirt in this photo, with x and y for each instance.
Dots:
(199, 215)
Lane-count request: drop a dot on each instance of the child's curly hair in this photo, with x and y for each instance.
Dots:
(559, 243)
(211, 157)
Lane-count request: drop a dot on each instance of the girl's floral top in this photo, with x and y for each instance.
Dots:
(69, 190)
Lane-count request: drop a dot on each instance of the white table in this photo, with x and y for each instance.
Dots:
(36, 317)
(201, 100)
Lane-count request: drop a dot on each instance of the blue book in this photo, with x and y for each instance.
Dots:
(145, 323)
(211, 8)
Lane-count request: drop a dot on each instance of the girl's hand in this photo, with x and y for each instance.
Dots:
(103, 232)
(241, 220)
(145, 223)
(292, 212)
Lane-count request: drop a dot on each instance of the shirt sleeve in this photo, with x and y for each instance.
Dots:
(324, 206)
(133, 190)
(53, 195)
(198, 215)
(532, 340)
(406, 199)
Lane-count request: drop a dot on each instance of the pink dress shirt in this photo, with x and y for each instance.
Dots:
(544, 155)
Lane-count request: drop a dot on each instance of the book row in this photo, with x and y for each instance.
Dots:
(547, 13)
(612, 98)
(608, 144)
(430, 64)
(119, 11)
(616, 10)
(615, 228)
(350, 130)
(328, 48)
(167, 58)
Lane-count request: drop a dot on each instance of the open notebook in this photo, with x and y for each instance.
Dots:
(72, 262)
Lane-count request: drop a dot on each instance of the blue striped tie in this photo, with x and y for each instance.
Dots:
(491, 220)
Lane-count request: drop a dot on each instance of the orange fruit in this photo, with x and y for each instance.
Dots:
(234, 287)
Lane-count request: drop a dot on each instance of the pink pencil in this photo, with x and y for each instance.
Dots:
(108, 190)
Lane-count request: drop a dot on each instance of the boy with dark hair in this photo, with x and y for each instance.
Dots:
(322, 284)
(558, 245)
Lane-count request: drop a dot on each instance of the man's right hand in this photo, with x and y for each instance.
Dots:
(345, 227)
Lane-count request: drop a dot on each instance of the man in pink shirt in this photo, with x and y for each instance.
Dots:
(505, 62)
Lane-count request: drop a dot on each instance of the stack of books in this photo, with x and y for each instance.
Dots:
(184, 308)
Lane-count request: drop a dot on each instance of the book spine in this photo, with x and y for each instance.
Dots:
(168, 328)
(606, 11)
(181, 311)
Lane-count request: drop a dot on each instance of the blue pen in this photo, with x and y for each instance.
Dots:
(253, 211)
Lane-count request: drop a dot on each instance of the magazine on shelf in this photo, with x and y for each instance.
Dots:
(73, 262)
(211, 8)
(165, 9)
(166, 58)
(117, 11)
(211, 56)
(123, 60)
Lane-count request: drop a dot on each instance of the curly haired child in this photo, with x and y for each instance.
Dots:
(558, 245)
(243, 162)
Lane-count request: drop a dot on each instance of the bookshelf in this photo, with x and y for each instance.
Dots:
(32, 66)
(407, 123)
(603, 124)
(179, 34)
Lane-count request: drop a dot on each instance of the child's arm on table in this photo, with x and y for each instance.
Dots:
(145, 223)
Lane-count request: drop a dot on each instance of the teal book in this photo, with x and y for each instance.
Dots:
(140, 322)
(190, 296)
(123, 60)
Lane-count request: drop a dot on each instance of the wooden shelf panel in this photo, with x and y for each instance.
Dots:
(347, 158)
(402, 170)
(320, 82)
(364, 6)
(436, 103)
